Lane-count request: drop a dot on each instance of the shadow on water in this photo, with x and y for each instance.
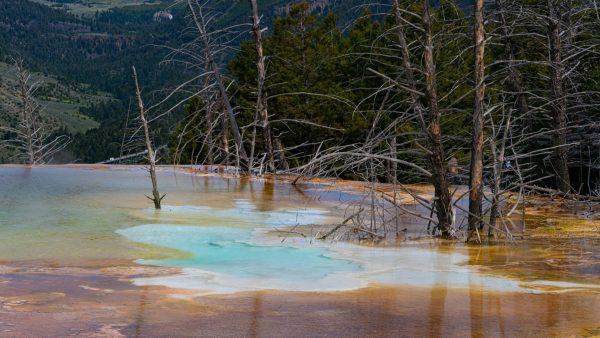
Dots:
(437, 299)
(254, 329)
(139, 318)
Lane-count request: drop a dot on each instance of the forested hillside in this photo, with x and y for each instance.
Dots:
(98, 49)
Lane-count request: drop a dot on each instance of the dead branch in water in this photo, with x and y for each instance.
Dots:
(150, 150)
(348, 219)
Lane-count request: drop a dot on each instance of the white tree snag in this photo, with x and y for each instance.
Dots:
(225, 139)
(27, 111)
(476, 169)
(558, 104)
(261, 100)
(151, 154)
(210, 120)
(233, 126)
(34, 141)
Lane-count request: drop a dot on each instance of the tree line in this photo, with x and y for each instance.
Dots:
(503, 98)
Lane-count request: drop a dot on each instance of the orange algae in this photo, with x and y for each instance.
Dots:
(60, 306)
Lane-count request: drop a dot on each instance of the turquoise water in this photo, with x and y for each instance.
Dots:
(237, 249)
(223, 250)
(230, 250)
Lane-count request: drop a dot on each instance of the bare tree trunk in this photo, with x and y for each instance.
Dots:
(281, 154)
(443, 201)
(225, 139)
(476, 170)
(497, 172)
(209, 140)
(558, 104)
(237, 136)
(209, 121)
(433, 130)
(514, 79)
(26, 112)
(393, 165)
(261, 101)
(408, 68)
(253, 141)
(34, 140)
(151, 154)
(498, 156)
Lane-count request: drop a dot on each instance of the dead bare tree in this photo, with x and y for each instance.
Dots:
(430, 124)
(200, 23)
(443, 200)
(477, 143)
(558, 104)
(214, 123)
(156, 197)
(35, 141)
(261, 100)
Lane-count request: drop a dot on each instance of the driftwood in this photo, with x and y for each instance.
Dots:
(341, 224)
(554, 192)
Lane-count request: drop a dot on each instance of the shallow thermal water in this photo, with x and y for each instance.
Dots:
(225, 259)
(224, 242)
(221, 236)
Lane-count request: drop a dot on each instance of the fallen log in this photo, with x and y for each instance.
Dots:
(554, 192)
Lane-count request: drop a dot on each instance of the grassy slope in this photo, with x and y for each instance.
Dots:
(65, 102)
(89, 7)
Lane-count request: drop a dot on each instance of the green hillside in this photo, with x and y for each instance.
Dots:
(59, 100)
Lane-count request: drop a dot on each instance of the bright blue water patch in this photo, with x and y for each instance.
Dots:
(230, 259)
(224, 251)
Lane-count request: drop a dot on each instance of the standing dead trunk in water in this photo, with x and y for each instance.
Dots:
(261, 101)
(476, 170)
(558, 104)
(216, 73)
(430, 124)
(497, 159)
(443, 200)
(151, 154)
